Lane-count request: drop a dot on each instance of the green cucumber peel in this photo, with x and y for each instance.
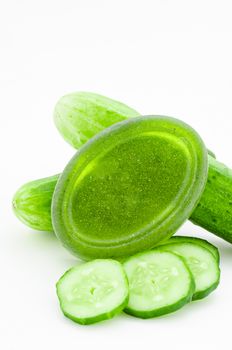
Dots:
(138, 181)
(159, 283)
(93, 291)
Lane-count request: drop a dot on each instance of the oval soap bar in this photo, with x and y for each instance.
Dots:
(129, 187)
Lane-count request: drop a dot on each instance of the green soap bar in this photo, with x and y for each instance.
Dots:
(129, 187)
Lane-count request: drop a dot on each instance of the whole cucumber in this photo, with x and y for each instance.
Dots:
(79, 116)
(32, 202)
(214, 211)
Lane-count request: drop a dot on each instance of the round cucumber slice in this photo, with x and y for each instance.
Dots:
(159, 283)
(129, 187)
(94, 291)
(196, 240)
(201, 262)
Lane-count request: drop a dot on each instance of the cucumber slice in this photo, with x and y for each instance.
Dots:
(196, 240)
(159, 283)
(94, 291)
(201, 262)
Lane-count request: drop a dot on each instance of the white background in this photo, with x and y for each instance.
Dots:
(160, 57)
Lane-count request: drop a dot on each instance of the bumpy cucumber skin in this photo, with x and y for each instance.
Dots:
(169, 308)
(81, 115)
(32, 203)
(70, 238)
(196, 240)
(95, 319)
(201, 293)
(214, 211)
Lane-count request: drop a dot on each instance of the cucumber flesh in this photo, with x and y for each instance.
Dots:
(196, 240)
(202, 264)
(159, 283)
(93, 291)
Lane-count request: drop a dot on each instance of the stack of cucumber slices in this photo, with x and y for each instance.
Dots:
(149, 284)
(132, 183)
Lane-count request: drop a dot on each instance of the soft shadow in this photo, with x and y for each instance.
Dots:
(41, 242)
(40, 238)
(225, 250)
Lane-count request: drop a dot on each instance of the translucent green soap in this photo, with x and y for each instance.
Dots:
(129, 187)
